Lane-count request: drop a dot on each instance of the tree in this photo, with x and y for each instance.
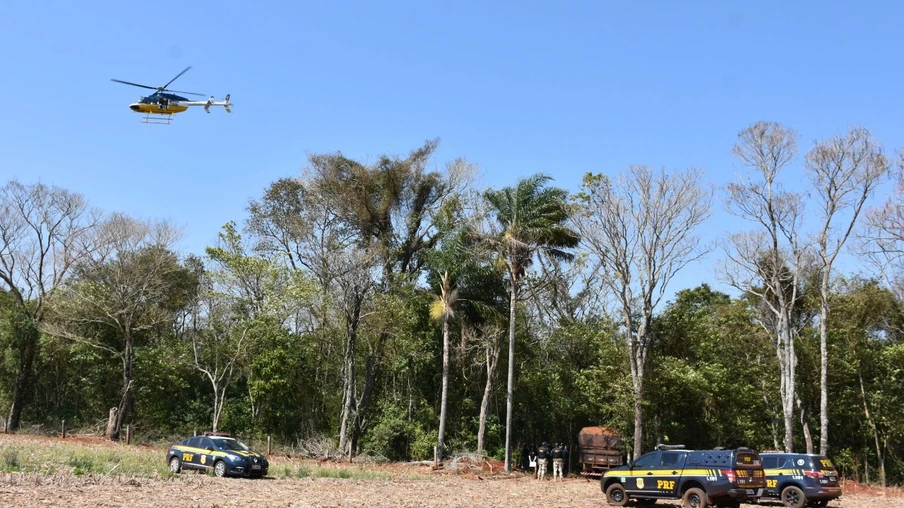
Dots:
(641, 228)
(239, 293)
(531, 217)
(373, 225)
(845, 171)
(43, 231)
(443, 310)
(866, 375)
(464, 277)
(132, 285)
(883, 240)
(768, 263)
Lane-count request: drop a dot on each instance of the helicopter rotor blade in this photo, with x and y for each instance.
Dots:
(188, 93)
(177, 77)
(134, 84)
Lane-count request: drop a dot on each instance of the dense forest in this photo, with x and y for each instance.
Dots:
(399, 310)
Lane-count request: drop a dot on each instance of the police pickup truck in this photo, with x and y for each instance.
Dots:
(699, 478)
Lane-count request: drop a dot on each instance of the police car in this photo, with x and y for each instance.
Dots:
(700, 478)
(800, 479)
(225, 455)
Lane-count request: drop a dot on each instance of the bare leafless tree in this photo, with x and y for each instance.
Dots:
(768, 261)
(845, 171)
(882, 241)
(43, 231)
(641, 229)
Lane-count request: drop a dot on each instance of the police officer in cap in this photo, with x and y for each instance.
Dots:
(557, 460)
(542, 456)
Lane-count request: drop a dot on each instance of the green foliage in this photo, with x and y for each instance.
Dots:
(10, 459)
(382, 237)
(392, 434)
(712, 369)
(81, 465)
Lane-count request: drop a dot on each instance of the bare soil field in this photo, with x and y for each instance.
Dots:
(403, 485)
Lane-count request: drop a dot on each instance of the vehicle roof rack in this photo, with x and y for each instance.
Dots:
(670, 447)
(217, 434)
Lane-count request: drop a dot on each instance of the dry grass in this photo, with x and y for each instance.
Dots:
(90, 471)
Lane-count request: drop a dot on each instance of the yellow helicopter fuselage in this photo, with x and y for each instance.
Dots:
(155, 109)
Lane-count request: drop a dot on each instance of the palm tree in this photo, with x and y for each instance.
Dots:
(442, 309)
(532, 219)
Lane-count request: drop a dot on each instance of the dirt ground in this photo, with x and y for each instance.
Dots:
(476, 488)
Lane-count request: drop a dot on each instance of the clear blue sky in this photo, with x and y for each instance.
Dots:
(516, 87)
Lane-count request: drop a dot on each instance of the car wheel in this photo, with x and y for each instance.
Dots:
(175, 465)
(219, 469)
(694, 498)
(793, 497)
(616, 495)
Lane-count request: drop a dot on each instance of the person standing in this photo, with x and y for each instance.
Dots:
(557, 461)
(542, 456)
(525, 457)
(565, 458)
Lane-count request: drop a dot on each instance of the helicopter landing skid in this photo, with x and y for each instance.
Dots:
(157, 119)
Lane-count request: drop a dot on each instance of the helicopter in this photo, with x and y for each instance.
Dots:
(160, 106)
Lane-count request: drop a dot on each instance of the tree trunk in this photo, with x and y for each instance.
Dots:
(111, 422)
(636, 353)
(219, 399)
(638, 419)
(824, 366)
(442, 406)
(492, 362)
(787, 360)
(370, 383)
(27, 345)
(872, 425)
(125, 405)
(804, 425)
(771, 417)
(351, 377)
(509, 402)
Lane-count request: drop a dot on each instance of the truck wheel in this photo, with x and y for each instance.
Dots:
(175, 465)
(616, 495)
(694, 498)
(793, 497)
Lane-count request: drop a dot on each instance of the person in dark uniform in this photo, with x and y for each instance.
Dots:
(525, 456)
(565, 457)
(557, 461)
(542, 456)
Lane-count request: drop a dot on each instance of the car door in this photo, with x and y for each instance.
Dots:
(205, 454)
(642, 482)
(189, 453)
(668, 473)
(770, 465)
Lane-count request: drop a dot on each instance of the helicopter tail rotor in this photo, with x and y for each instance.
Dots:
(212, 102)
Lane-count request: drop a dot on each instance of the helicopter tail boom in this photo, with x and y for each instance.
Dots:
(210, 102)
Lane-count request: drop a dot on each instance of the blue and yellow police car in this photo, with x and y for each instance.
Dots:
(800, 479)
(225, 455)
(699, 478)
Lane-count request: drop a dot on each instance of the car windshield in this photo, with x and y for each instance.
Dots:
(231, 444)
